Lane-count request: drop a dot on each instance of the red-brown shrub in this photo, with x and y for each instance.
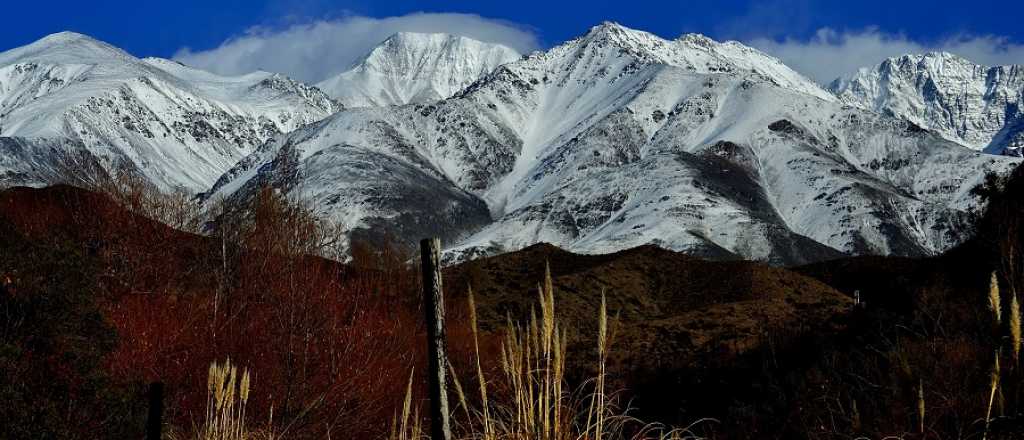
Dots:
(330, 346)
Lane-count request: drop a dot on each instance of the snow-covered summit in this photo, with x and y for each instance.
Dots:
(697, 53)
(614, 139)
(619, 138)
(66, 48)
(416, 68)
(975, 105)
(70, 104)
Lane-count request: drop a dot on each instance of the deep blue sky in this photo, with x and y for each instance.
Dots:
(147, 28)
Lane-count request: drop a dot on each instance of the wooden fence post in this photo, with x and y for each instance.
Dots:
(437, 359)
(154, 421)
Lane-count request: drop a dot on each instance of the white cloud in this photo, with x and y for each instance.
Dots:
(831, 54)
(313, 51)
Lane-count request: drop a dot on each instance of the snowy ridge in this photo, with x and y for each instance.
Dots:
(978, 106)
(619, 138)
(612, 140)
(177, 126)
(416, 68)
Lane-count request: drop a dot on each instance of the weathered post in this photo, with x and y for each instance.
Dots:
(154, 420)
(437, 359)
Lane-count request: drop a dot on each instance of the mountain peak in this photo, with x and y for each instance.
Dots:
(942, 55)
(968, 103)
(412, 67)
(76, 40)
(691, 52)
(927, 58)
(608, 27)
(697, 39)
(419, 45)
(420, 37)
(65, 36)
(66, 47)
(438, 40)
(616, 33)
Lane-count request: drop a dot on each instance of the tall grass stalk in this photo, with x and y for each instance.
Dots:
(227, 395)
(598, 399)
(534, 403)
(486, 416)
(994, 302)
(993, 386)
(401, 429)
(920, 405)
(1015, 330)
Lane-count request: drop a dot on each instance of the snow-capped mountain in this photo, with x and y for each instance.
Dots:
(978, 106)
(620, 138)
(76, 109)
(416, 68)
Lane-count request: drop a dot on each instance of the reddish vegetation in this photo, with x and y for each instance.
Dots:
(771, 352)
(330, 346)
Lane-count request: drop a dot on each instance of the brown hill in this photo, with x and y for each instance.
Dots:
(139, 252)
(670, 307)
(691, 334)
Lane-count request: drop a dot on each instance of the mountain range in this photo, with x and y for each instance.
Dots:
(974, 105)
(612, 140)
(74, 108)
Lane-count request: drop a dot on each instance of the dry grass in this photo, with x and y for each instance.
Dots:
(227, 395)
(407, 426)
(1014, 333)
(994, 300)
(920, 406)
(993, 386)
(535, 404)
(488, 431)
(1015, 329)
(228, 391)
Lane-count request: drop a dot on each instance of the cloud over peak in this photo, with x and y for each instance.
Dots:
(830, 54)
(315, 50)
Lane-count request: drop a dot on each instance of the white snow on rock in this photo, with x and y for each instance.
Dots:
(68, 99)
(416, 68)
(620, 138)
(978, 106)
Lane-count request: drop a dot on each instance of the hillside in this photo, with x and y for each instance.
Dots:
(671, 307)
(741, 342)
(77, 110)
(618, 139)
(415, 68)
(974, 105)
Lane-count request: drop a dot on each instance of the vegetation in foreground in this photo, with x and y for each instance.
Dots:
(329, 344)
(96, 306)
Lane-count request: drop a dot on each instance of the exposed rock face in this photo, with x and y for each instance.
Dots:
(414, 68)
(68, 97)
(618, 139)
(613, 140)
(978, 106)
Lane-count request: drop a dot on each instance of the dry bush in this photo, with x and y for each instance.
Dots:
(330, 342)
(175, 208)
(277, 225)
(53, 343)
(941, 372)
